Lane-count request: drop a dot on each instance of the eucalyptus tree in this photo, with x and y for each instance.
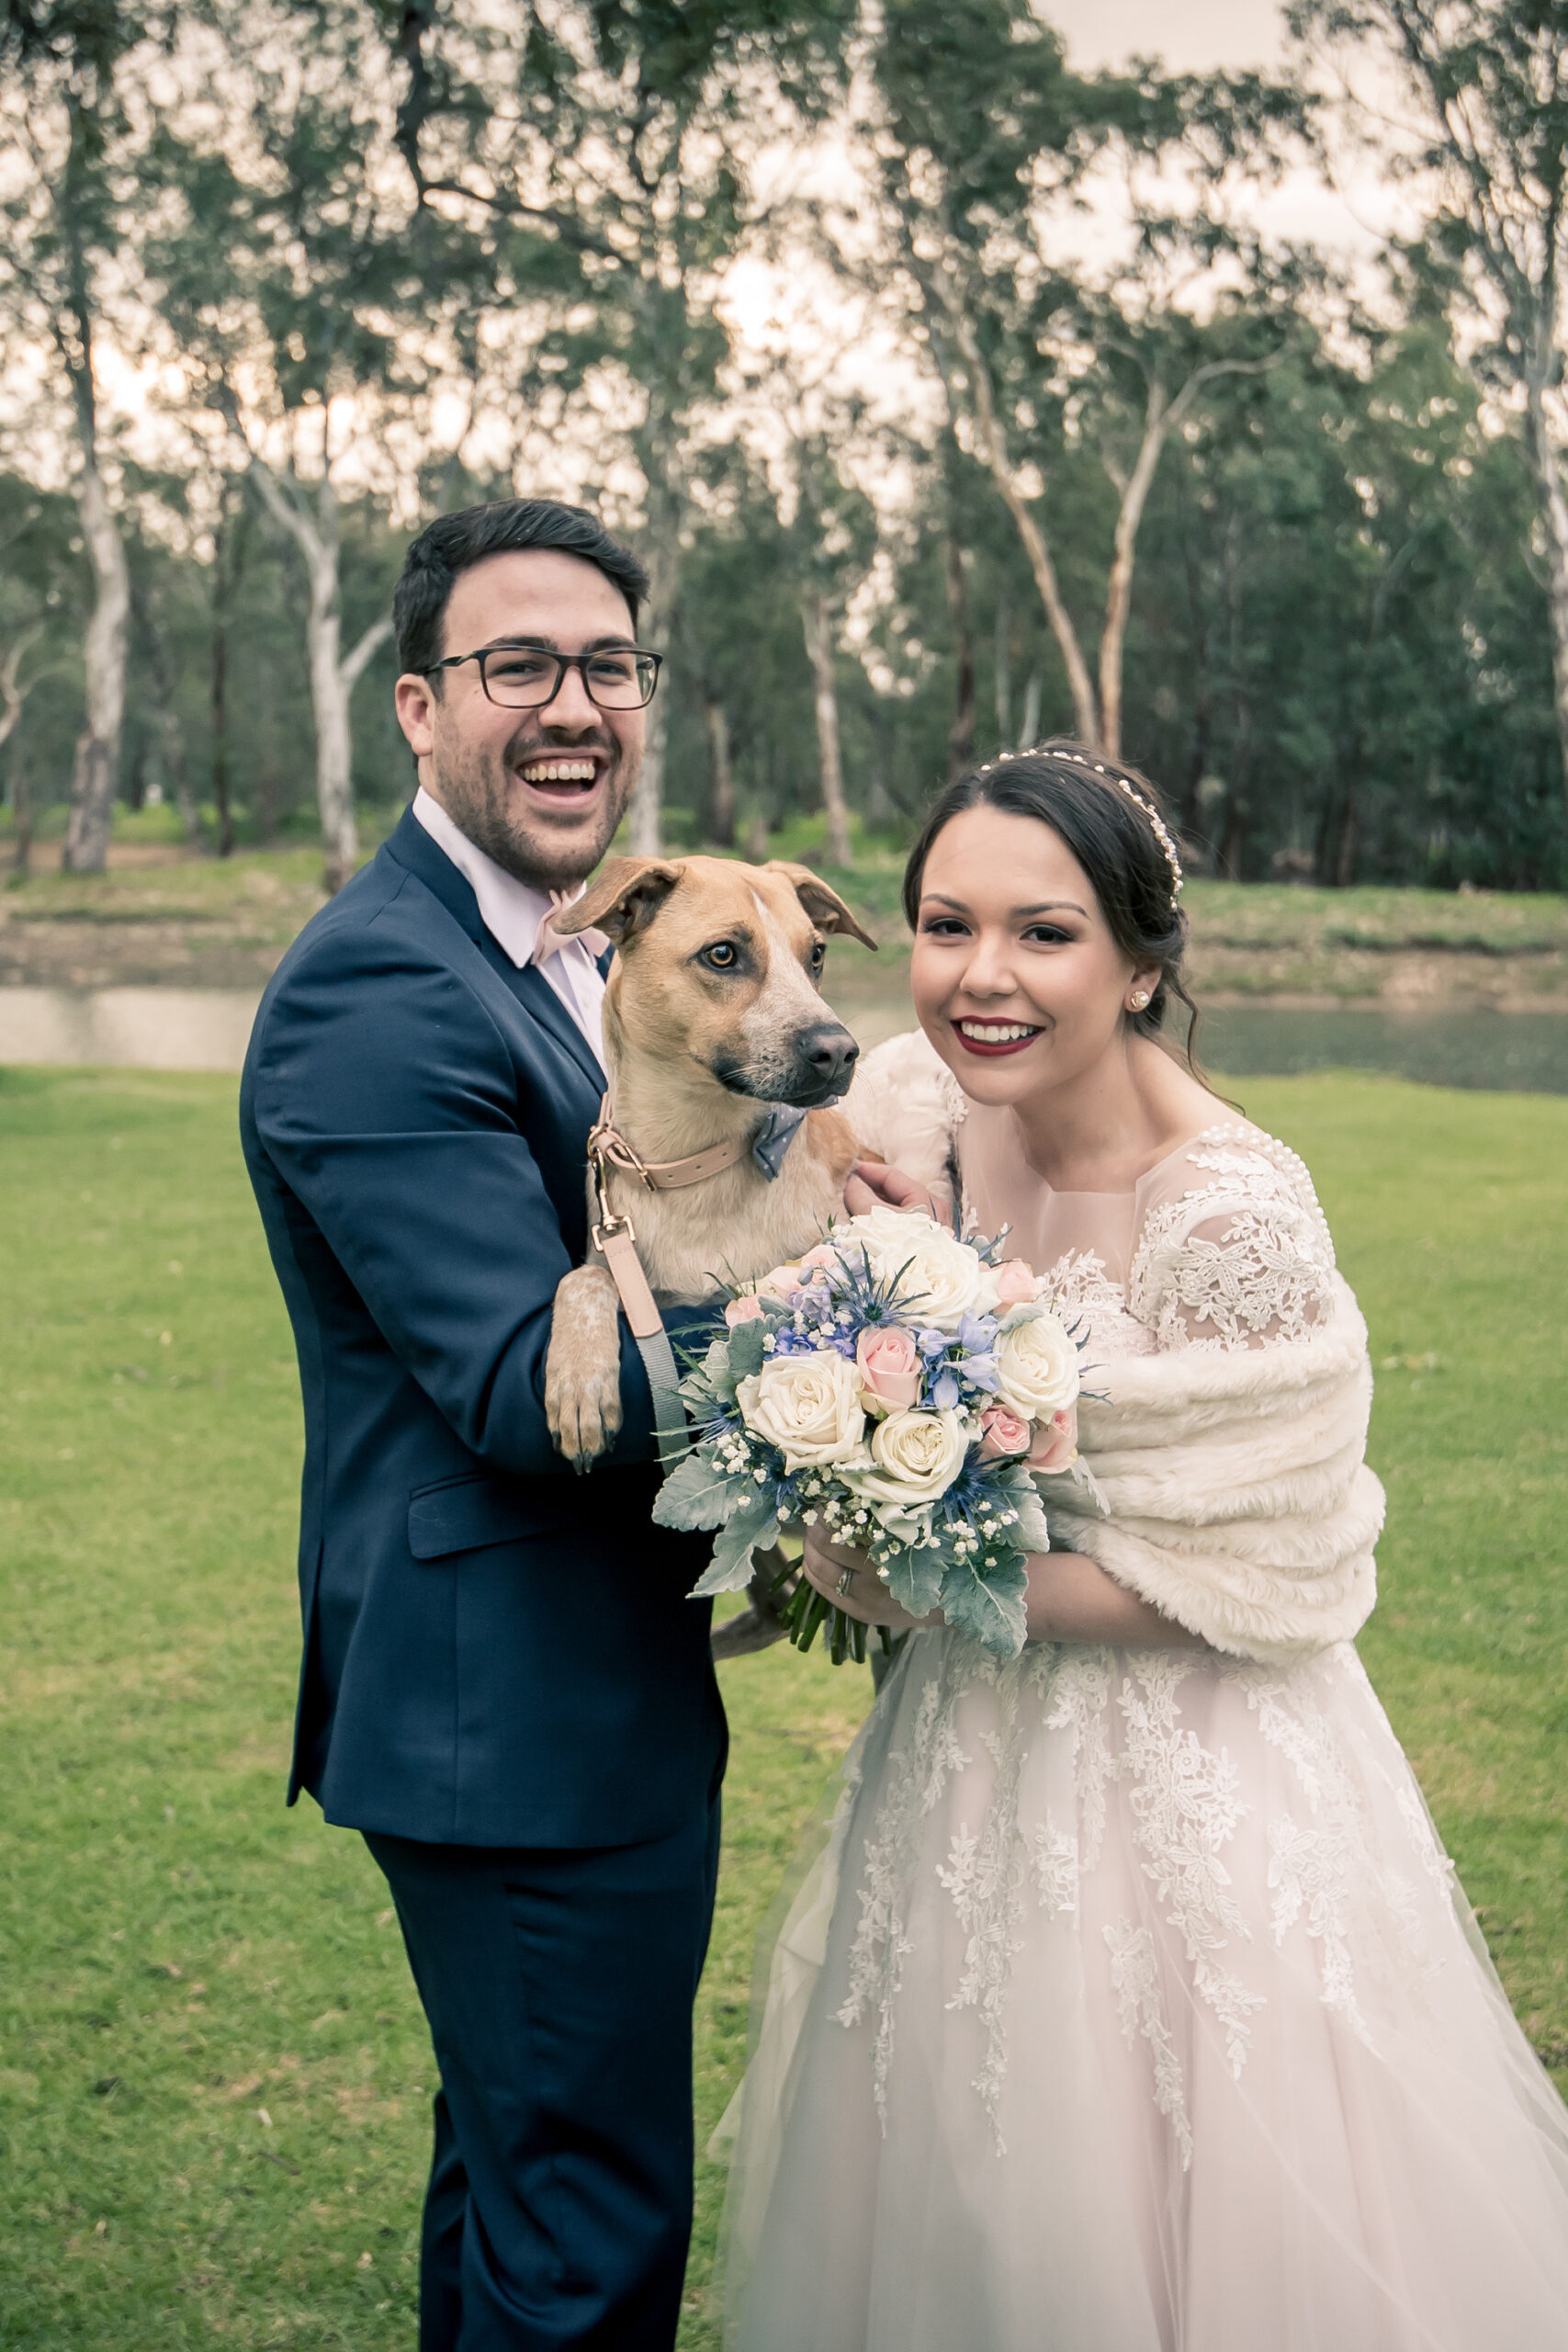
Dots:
(1340, 667)
(831, 541)
(1484, 122)
(73, 136)
(36, 649)
(982, 138)
(309, 318)
(618, 142)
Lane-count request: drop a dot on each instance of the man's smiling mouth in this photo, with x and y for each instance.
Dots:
(558, 775)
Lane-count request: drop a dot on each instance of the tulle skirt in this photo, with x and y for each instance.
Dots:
(1131, 2007)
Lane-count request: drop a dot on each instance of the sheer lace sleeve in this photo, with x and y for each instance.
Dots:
(1234, 1250)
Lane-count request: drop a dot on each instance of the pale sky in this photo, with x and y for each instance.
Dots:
(1193, 36)
(796, 305)
(1196, 35)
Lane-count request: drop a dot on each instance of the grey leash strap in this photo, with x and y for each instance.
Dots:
(669, 1413)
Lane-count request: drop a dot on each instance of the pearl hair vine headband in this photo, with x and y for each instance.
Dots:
(1157, 821)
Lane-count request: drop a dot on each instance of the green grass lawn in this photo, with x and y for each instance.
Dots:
(214, 2079)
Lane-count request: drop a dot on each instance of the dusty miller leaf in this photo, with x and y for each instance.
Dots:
(695, 1495)
(754, 1526)
(746, 1350)
(990, 1608)
(915, 1580)
(1031, 1534)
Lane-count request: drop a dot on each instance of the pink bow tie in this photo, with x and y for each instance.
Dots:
(550, 942)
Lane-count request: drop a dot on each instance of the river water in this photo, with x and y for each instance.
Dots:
(1517, 1053)
(206, 1029)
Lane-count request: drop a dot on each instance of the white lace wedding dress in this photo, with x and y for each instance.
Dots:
(1132, 2005)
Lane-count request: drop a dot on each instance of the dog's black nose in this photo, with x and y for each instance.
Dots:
(828, 1054)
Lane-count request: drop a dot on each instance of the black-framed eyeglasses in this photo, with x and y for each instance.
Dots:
(526, 677)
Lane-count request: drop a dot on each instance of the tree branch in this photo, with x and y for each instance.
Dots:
(354, 661)
(998, 464)
(13, 694)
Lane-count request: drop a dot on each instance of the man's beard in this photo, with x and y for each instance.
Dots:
(477, 800)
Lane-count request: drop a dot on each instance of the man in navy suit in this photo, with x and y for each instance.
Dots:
(504, 1687)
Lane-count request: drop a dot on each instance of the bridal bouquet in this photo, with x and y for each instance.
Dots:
(896, 1386)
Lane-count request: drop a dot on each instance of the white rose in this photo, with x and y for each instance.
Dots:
(809, 1407)
(914, 1457)
(1038, 1368)
(941, 1277)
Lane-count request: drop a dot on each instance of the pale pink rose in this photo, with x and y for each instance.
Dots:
(1016, 1284)
(824, 1255)
(1006, 1432)
(1055, 1445)
(782, 1281)
(889, 1365)
(742, 1310)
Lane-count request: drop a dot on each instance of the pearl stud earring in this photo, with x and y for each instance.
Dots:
(1140, 1000)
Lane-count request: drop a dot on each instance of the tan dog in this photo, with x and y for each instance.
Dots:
(711, 1018)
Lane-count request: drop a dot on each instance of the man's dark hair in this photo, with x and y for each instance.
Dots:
(512, 526)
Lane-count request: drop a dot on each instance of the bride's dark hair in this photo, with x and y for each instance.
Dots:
(1079, 793)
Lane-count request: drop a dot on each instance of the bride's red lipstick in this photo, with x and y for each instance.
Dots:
(1008, 1045)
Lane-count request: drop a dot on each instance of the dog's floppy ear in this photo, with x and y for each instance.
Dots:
(623, 900)
(824, 905)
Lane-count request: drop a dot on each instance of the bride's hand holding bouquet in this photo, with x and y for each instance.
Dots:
(888, 1395)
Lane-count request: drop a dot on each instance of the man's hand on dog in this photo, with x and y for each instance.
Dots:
(870, 1184)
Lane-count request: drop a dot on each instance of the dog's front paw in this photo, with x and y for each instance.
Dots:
(582, 1370)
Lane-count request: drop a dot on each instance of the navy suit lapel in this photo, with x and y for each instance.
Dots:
(411, 846)
(532, 989)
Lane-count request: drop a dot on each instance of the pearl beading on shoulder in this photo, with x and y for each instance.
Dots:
(1161, 832)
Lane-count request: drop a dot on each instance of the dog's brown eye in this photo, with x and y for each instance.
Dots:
(721, 956)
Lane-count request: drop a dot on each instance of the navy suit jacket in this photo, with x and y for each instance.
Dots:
(497, 1652)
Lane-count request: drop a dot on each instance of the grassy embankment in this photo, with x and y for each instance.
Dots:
(213, 2076)
(202, 922)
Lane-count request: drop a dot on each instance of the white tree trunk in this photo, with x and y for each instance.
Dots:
(334, 742)
(13, 694)
(1546, 464)
(332, 674)
(1160, 418)
(97, 767)
(1118, 588)
(1031, 735)
(721, 796)
(993, 455)
(647, 817)
(818, 619)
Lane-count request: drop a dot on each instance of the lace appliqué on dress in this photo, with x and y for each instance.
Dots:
(985, 1874)
(1186, 1803)
(1333, 1876)
(1076, 1686)
(1080, 1291)
(917, 1777)
(1134, 1978)
(1243, 1259)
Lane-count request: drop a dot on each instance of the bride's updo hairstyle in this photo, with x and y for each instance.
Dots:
(1110, 816)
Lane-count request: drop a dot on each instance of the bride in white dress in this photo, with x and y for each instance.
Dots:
(1132, 2006)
